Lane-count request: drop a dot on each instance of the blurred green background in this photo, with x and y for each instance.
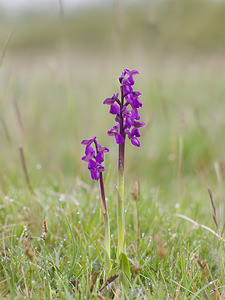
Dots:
(60, 65)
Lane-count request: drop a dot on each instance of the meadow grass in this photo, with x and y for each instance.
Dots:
(52, 238)
(181, 154)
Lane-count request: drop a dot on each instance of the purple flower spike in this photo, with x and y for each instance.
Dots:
(126, 110)
(94, 158)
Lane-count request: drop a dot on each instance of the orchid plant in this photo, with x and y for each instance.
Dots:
(95, 158)
(127, 118)
(125, 109)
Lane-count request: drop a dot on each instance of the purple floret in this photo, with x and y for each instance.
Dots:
(115, 132)
(114, 109)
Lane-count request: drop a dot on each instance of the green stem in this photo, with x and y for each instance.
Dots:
(120, 213)
(107, 233)
(120, 199)
(105, 216)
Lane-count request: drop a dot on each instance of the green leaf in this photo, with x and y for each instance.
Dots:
(108, 265)
(125, 275)
(73, 263)
(124, 265)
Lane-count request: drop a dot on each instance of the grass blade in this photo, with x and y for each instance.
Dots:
(3, 52)
(72, 267)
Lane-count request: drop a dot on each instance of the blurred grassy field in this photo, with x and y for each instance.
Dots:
(55, 75)
(165, 26)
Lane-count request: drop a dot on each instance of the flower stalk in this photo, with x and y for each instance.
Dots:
(95, 159)
(120, 209)
(105, 216)
(120, 196)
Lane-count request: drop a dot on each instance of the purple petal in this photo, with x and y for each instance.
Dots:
(99, 157)
(125, 81)
(95, 175)
(111, 132)
(121, 78)
(119, 139)
(131, 73)
(92, 165)
(115, 97)
(88, 142)
(114, 130)
(131, 80)
(103, 149)
(87, 158)
(117, 118)
(125, 112)
(89, 150)
(135, 114)
(135, 142)
(136, 102)
(136, 94)
(127, 131)
(139, 124)
(109, 101)
(135, 132)
(127, 89)
(129, 99)
(129, 121)
(100, 168)
(114, 109)
(85, 142)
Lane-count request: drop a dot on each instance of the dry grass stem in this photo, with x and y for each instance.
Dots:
(6, 131)
(18, 114)
(200, 225)
(214, 208)
(23, 163)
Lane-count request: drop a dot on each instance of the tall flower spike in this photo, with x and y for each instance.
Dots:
(127, 118)
(126, 109)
